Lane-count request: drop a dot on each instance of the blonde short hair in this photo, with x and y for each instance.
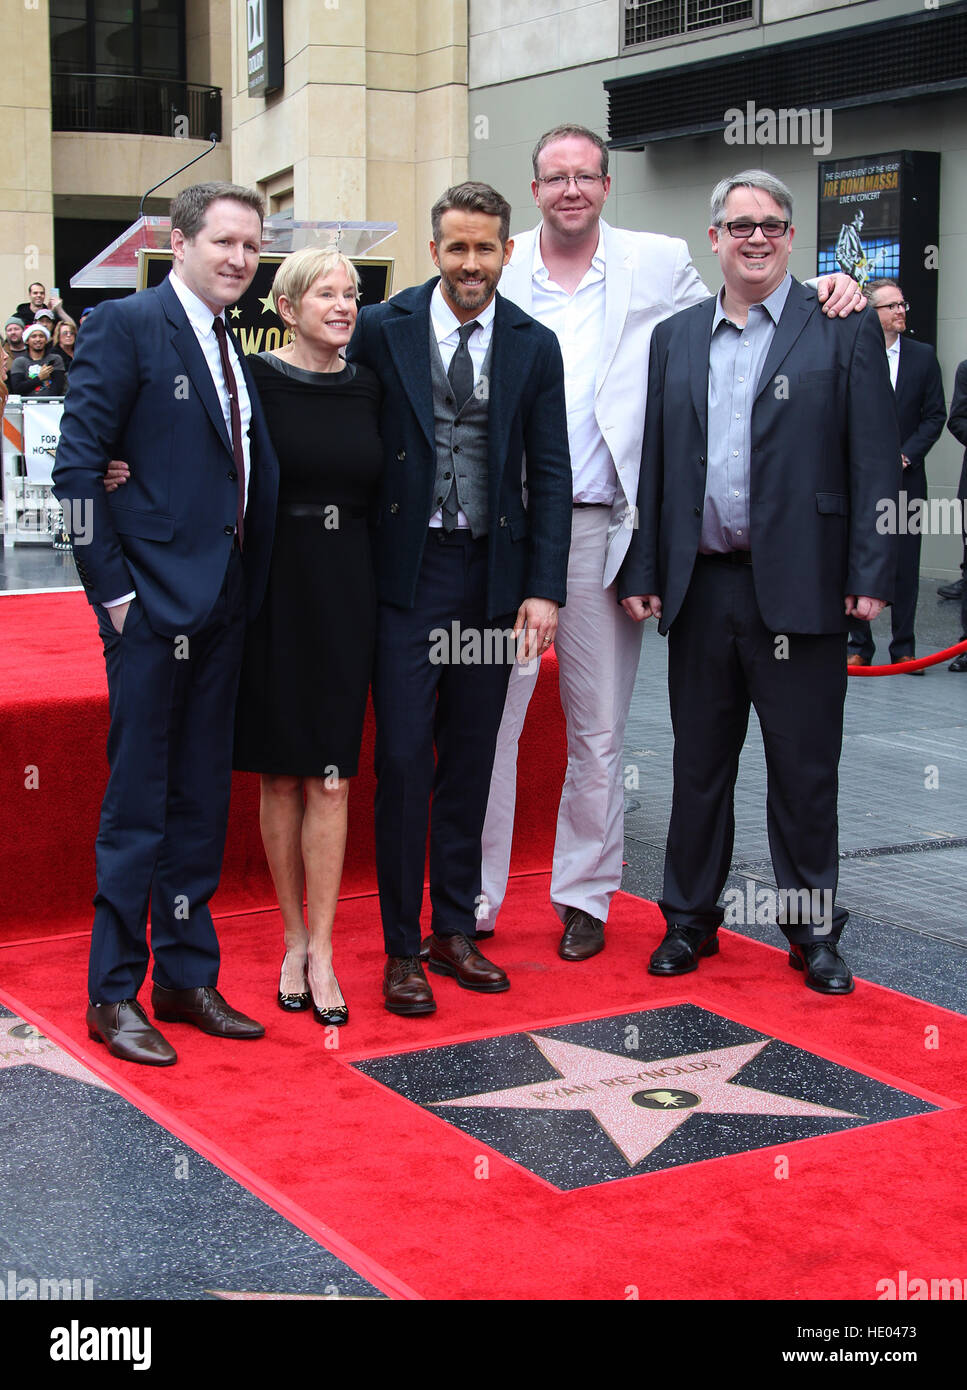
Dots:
(303, 268)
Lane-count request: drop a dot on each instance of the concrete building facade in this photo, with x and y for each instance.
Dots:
(537, 63)
(100, 103)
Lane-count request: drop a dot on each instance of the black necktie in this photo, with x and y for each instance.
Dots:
(460, 376)
(231, 386)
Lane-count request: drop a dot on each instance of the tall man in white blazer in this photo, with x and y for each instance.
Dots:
(602, 290)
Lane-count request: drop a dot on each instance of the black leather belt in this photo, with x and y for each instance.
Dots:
(460, 535)
(592, 504)
(729, 557)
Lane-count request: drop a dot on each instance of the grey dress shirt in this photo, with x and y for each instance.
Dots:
(735, 360)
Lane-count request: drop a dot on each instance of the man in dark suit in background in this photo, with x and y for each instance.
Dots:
(173, 564)
(770, 438)
(957, 425)
(921, 412)
(471, 385)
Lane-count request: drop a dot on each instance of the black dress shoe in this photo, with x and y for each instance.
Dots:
(959, 663)
(206, 1009)
(294, 1003)
(952, 590)
(826, 971)
(583, 935)
(125, 1030)
(682, 948)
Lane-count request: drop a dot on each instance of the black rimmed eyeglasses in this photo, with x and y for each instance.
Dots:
(772, 228)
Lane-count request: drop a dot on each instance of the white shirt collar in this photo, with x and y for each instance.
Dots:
(540, 271)
(894, 351)
(200, 316)
(444, 320)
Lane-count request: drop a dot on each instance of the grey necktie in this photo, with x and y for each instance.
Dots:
(460, 376)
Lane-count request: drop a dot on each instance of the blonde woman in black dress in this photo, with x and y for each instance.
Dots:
(305, 676)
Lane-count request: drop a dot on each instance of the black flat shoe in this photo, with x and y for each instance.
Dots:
(334, 1017)
(331, 1015)
(293, 1003)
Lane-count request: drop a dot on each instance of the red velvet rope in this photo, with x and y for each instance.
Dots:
(919, 664)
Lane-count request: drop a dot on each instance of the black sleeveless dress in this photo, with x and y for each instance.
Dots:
(309, 652)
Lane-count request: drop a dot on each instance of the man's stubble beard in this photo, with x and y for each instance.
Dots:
(459, 296)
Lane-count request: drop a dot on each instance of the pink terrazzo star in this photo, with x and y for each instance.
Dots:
(21, 1044)
(639, 1108)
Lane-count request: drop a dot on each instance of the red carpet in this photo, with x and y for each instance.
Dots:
(393, 1187)
(53, 729)
(339, 1153)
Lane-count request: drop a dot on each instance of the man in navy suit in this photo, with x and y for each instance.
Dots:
(173, 566)
(472, 422)
(921, 415)
(770, 439)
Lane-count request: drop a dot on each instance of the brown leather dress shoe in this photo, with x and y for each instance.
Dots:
(460, 958)
(206, 1009)
(425, 943)
(854, 659)
(583, 935)
(125, 1030)
(405, 988)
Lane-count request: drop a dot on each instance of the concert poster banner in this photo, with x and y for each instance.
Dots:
(859, 217)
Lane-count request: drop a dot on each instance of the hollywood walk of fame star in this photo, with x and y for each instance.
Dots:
(236, 313)
(638, 1109)
(268, 303)
(21, 1044)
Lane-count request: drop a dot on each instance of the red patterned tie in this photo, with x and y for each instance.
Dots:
(231, 386)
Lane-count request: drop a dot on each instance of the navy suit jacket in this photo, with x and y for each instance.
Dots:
(825, 453)
(142, 391)
(527, 547)
(920, 406)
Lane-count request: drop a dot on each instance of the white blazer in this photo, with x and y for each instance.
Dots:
(647, 279)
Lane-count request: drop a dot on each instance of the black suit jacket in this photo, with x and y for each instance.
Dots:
(528, 546)
(957, 424)
(920, 406)
(142, 391)
(825, 454)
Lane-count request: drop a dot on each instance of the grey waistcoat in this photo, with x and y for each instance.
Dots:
(461, 442)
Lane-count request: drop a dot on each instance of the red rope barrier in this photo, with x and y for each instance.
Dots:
(919, 664)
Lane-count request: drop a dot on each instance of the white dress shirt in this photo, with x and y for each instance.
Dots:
(202, 321)
(446, 331)
(577, 320)
(893, 361)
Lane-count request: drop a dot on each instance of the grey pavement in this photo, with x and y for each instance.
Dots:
(902, 811)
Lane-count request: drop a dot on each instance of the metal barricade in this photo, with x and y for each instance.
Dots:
(31, 513)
